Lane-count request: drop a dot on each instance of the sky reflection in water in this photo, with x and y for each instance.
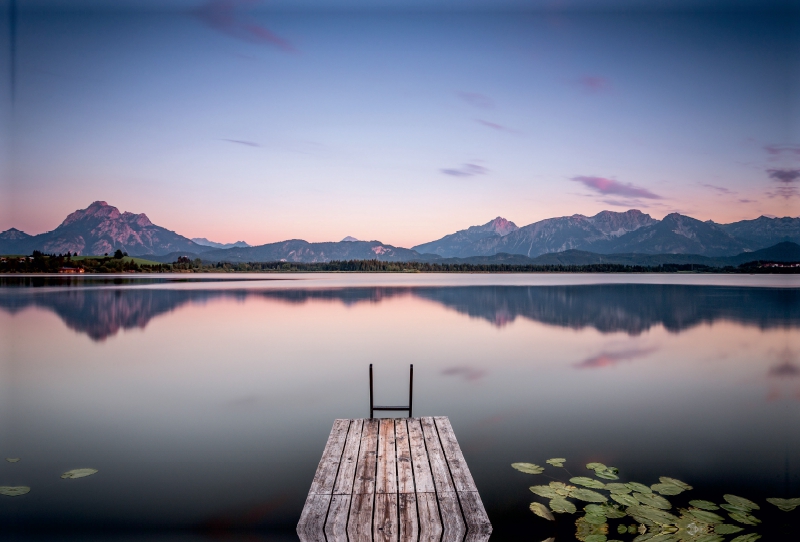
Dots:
(208, 406)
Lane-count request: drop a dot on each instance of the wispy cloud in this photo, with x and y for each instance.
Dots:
(610, 359)
(467, 373)
(242, 142)
(613, 187)
(474, 99)
(720, 189)
(745, 200)
(778, 150)
(495, 126)
(467, 170)
(227, 17)
(594, 84)
(784, 175)
(787, 177)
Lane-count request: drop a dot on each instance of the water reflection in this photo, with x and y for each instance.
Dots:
(633, 308)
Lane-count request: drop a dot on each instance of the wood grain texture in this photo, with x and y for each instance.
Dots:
(359, 525)
(430, 524)
(474, 512)
(474, 536)
(439, 469)
(336, 525)
(405, 472)
(423, 479)
(386, 479)
(409, 520)
(367, 457)
(462, 478)
(347, 466)
(384, 527)
(312, 519)
(328, 466)
(453, 525)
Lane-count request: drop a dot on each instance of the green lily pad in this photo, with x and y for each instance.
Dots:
(561, 505)
(595, 466)
(731, 508)
(746, 519)
(563, 492)
(706, 517)
(704, 505)
(741, 502)
(750, 537)
(727, 528)
(528, 468)
(672, 481)
(667, 489)
(12, 459)
(558, 485)
(587, 482)
(541, 510)
(544, 491)
(656, 501)
(622, 529)
(14, 491)
(556, 461)
(613, 512)
(606, 475)
(616, 487)
(596, 538)
(78, 473)
(648, 514)
(785, 505)
(624, 499)
(588, 495)
(640, 488)
(595, 519)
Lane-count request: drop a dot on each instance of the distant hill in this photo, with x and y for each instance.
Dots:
(96, 230)
(297, 250)
(764, 231)
(472, 241)
(206, 243)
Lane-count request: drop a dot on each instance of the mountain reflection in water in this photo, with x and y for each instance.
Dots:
(608, 308)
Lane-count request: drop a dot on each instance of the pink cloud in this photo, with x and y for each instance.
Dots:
(720, 189)
(610, 186)
(224, 16)
(777, 150)
(476, 100)
(610, 359)
(594, 83)
(784, 175)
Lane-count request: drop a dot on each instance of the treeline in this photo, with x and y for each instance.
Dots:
(40, 262)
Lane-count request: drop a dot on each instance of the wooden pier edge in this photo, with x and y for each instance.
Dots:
(393, 480)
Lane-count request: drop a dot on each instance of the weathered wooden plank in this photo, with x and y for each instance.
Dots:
(405, 474)
(312, 519)
(385, 526)
(359, 526)
(423, 479)
(386, 480)
(474, 512)
(452, 521)
(475, 536)
(347, 466)
(441, 474)
(430, 524)
(331, 456)
(409, 520)
(462, 478)
(367, 456)
(336, 525)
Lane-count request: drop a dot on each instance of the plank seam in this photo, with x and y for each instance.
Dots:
(435, 490)
(413, 477)
(396, 476)
(458, 494)
(375, 482)
(352, 498)
(339, 466)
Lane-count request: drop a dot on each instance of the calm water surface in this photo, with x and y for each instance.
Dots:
(205, 405)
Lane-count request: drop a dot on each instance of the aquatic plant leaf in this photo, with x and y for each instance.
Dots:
(606, 475)
(78, 473)
(587, 482)
(650, 499)
(613, 512)
(727, 528)
(747, 519)
(12, 459)
(595, 466)
(595, 519)
(675, 482)
(595, 538)
(541, 510)
(731, 508)
(558, 485)
(14, 491)
(785, 505)
(588, 495)
(560, 505)
(563, 492)
(709, 538)
(640, 488)
(621, 529)
(544, 491)
(706, 516)
(624, 499)
(556, 461)
(750, 537)
(597, 509)
(741, 502)
(667, 489)
(528, 468)
(616, 487)
(645, 514)
(704, 505)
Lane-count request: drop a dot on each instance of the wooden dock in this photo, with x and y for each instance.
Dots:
(393, 479)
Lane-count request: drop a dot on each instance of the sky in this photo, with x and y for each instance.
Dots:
(399, 122)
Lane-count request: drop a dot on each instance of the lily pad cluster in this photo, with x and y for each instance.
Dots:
(16, 491)
(643, 510)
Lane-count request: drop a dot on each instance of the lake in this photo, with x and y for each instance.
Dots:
(205, 401)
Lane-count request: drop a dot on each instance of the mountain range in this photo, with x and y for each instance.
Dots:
(101, 229)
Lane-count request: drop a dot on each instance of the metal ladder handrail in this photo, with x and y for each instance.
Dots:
(373, 407)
